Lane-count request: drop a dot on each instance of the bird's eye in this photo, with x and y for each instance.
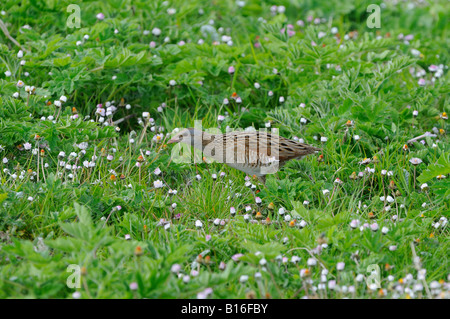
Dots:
(181, 137)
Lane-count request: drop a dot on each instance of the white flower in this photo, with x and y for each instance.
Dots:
(171, 11)
(8, 73)
(325, 192)
(156, 31)
(340, 266)
(176, 268)
(281, 211)
(257, 85)
(158, 184)
(76, 295)
(354, 223)
(356, 137)
(312, 262)
(295, 259)
(243, 278)
(172, 82)
(198, 224)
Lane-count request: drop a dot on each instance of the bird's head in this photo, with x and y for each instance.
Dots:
(187, 136)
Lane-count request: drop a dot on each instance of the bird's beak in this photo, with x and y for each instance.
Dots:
(174, 140)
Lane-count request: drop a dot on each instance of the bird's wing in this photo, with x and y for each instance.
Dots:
(257, 148)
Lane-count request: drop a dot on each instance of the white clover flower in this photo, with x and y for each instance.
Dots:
(172, 82)
(257, 85)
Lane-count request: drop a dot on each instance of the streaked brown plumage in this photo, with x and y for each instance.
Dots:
(255, 153)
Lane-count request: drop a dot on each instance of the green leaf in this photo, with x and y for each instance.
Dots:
(441, 167)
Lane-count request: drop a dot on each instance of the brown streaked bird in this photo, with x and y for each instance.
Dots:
(255, 153)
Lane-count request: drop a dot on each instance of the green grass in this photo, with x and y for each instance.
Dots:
(131, 239)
